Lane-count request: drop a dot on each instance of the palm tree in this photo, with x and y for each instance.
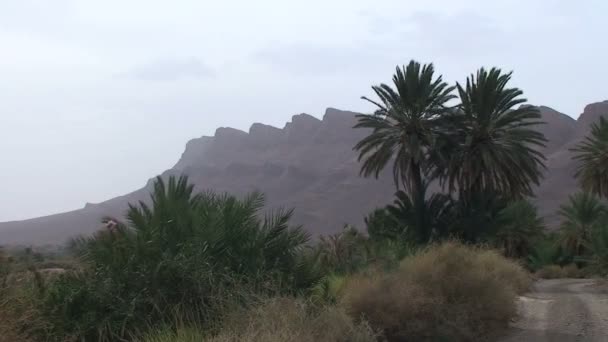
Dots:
(180, 251)
(492, 146)
(343, 252)
(520, 227)
(434, 217)
(403, 128)
(592, 155)
(580, 216)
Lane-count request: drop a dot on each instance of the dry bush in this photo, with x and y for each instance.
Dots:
(572, 271)
(556, 272)
(448, 291)
(550, 272)
(19, 318)
(505, 270)
(277, 320)
(287, 319)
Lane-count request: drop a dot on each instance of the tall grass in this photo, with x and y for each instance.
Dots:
(277, 319)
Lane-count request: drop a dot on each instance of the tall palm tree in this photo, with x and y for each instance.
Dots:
(580, 216)
(403, 128)
(493, 147)
(592, 155)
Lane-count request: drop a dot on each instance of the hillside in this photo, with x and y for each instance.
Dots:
(308, 165)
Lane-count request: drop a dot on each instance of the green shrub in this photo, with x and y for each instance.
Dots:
(183, 253)
(446, 291)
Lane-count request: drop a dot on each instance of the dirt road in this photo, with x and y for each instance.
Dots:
(562, 310)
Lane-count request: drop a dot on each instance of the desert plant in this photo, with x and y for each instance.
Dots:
(447, 291)
(550, 272)
(177, 253)
(557, 271)
(592, 156)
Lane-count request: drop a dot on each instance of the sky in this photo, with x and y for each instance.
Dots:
(96, 97)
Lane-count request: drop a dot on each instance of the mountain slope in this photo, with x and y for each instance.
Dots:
(308, 165)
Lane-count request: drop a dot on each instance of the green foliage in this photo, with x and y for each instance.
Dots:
(474, 218)
(483, 148)
(404, 128)
(176, 254)
(381, 225)
(598, 248)
(329, 289)
(592, 156)
(583, 213)
(427, 220)
(519, 229)
(546, 251)
(493, 146)
(404, 123)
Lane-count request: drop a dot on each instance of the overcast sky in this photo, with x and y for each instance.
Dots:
(98, 96)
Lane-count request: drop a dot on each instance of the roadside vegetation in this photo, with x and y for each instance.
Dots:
(445, 260)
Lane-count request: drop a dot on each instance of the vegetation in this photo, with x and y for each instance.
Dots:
(444, 260)
(591, 154)
(405, 127)
(445, 291)
(482, 150)
(177, 255)
(580, 216)
(520, 228)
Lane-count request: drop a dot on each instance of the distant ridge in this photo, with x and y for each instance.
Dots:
(309, 165)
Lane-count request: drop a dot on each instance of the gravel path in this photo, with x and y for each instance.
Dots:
(562, 310)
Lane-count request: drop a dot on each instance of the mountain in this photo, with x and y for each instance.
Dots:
(308, 165)
(559, 180)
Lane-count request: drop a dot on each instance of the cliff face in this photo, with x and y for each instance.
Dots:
(308, 165)
(559, 180)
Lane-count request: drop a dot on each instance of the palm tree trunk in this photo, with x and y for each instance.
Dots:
(417, 194)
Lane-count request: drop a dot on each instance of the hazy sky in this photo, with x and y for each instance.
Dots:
(98, 96)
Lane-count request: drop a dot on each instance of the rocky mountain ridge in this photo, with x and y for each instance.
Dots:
(308, 165)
